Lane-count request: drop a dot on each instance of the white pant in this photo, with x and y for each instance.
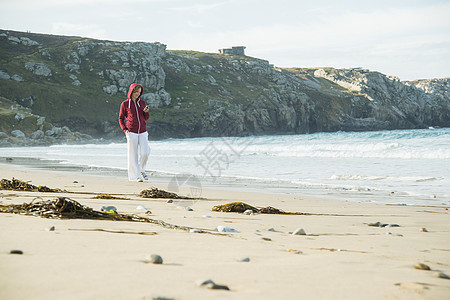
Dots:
(138, 152)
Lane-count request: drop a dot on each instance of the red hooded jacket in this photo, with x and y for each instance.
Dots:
(133, 113)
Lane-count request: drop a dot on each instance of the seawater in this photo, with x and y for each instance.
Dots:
(399, 166)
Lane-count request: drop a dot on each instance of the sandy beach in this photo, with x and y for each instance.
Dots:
(339, 257)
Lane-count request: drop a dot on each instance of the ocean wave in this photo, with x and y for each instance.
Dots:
(390, 178)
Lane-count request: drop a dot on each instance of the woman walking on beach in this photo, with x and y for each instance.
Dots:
(135, 111)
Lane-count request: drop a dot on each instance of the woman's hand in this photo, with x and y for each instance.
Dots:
(146, 109)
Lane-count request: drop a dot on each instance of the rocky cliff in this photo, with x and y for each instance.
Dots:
(57, 89)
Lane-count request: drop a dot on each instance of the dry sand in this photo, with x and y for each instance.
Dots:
(340, 257)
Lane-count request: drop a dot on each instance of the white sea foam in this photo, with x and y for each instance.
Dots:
(400, 162)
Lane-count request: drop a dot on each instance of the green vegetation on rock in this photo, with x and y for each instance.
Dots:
(58, 89)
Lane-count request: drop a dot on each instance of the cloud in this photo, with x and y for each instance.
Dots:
(200, 8)
(194, 24)
(90, 30)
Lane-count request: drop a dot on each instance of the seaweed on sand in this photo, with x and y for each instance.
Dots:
(157, 193)
(19, 185)
(240, 207)
(61, 208)
(108, 196)
(65, 208)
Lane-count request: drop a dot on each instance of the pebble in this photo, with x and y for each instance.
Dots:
(422, 267)
(157, 297)
(51, 228)
(194, 230)
(222, 228)
(75, 181)
(170, 201)
(211, 285)
(390, 233)
(271, 229)
(248, 212)
(266, 239)
(245, 259)
(154, 259)
(394, 225)
(187, 208)
(377, 224)
(441, 275)
(423, 229)
(109, 208)
(294, 251)
(299, 231)
(16, 252)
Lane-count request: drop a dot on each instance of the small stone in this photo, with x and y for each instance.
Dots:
(194, 230)
(212, 285)
(154, 259)
(109, 209)
(170, 201)
(294, 251)
(433, 196)
(157, 297)
(445, 208)
(248, 212)
(394, 225)
(271, 229)
(16, 252)
(299, 231)
(377, 224)
(51, 228)
(423, 229)
(222, 228)
(441, 275)
(204, 282)
(421, 266)
(245, 259)
(188, 208)
(75, 181)
(266, 239)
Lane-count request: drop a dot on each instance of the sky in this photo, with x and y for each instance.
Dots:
(409, 39)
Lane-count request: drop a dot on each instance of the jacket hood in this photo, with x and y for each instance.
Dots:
(130, 90)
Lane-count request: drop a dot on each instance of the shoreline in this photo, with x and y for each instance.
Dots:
(361, 195)
(339, 257)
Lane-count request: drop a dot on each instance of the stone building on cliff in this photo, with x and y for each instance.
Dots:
(238, 50)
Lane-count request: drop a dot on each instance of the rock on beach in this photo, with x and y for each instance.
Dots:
(154, 259)
(212, 285)
(222, 228)
(299, 231)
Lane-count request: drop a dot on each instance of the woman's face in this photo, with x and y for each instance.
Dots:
(136, 93)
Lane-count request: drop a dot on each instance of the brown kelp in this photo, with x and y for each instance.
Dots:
(19, 185)
(157, 193)
(65, 208)
(240, 207)
(109, 196)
